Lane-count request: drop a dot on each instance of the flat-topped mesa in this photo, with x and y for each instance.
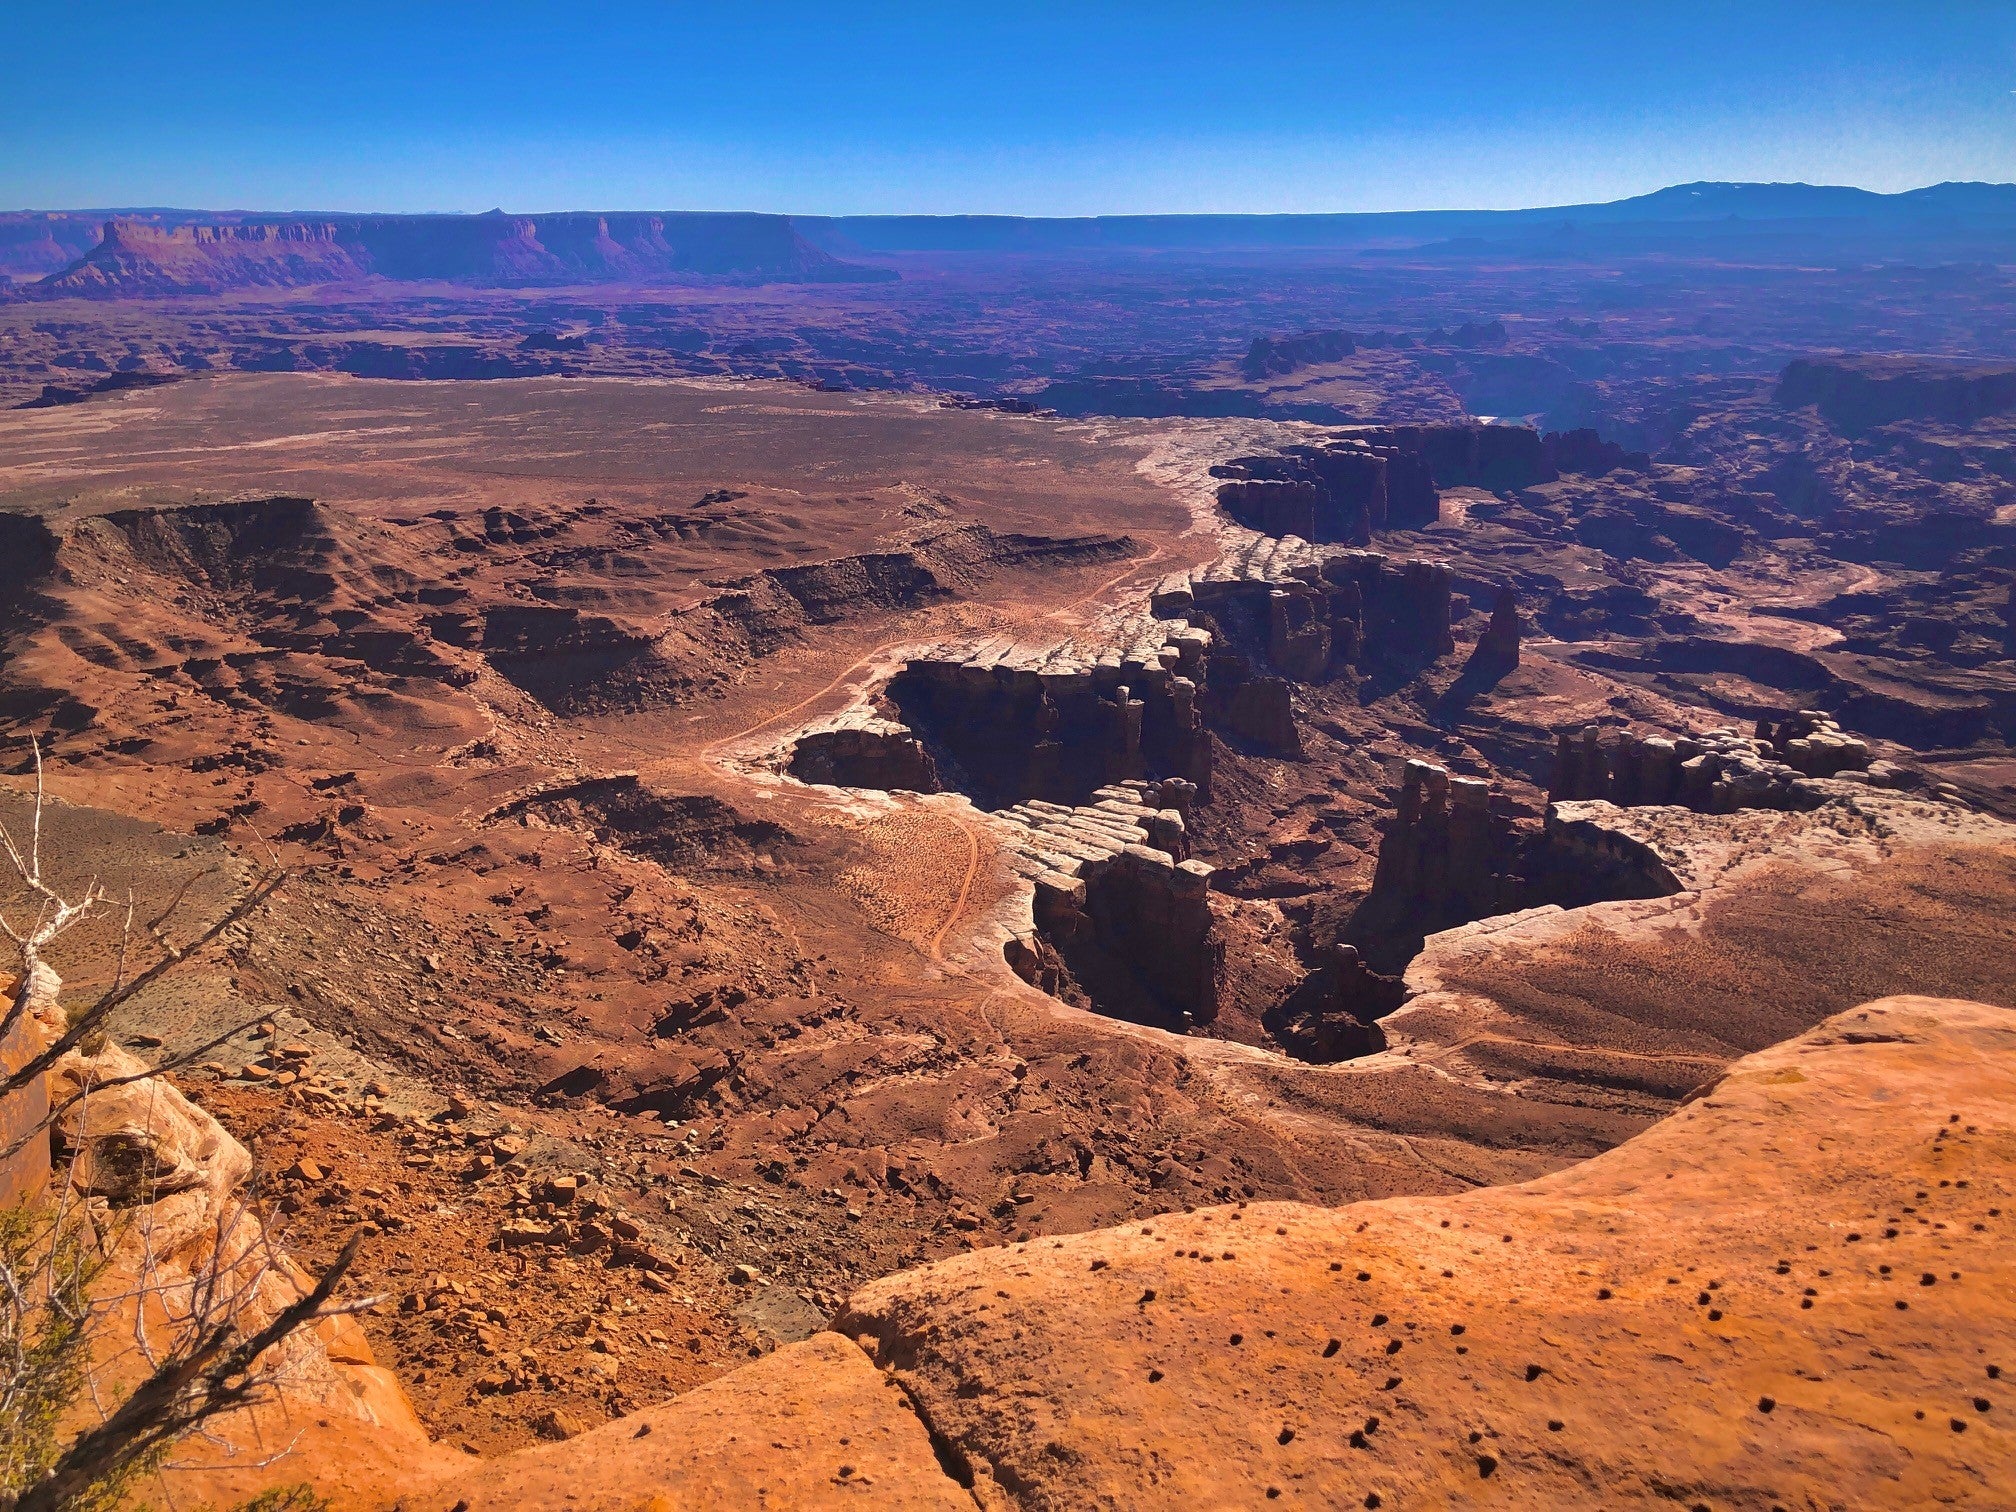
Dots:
(1054, 722)
(1120, 919)
(861, 750)
(1332, 491)
(1780, 767)
(1310, 615)
(1353, 482)
(1499, 458)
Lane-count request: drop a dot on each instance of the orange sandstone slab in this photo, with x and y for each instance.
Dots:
(813, 1425)
(1799, 1290)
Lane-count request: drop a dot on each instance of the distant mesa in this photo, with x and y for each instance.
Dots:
(1857, 394)
(145, 257)
(163, 251)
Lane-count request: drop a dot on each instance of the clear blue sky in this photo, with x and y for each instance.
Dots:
(1008, 105)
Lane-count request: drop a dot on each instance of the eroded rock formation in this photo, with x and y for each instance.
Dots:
(1717, 772)
(1310, 614)
(169, 1192)
(138, 257)
(858, 749)
(1054, 722)
(1121, 918)
(1366, 479)
(1448, 855)
(1455, 851)
(1337, 490)
(1497, 649)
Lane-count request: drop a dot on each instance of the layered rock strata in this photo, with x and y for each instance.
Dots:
(1455, 852)
(1119, 913)
(1056, 721)
(1340, 489)
(860, 749)
(1352, 483)
(1717, 772)
(1310, 614)
(1448, 853)
(1137, 696)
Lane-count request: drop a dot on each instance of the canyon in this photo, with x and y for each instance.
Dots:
(1237, 876)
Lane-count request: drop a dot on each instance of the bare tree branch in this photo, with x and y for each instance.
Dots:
(213, 1376)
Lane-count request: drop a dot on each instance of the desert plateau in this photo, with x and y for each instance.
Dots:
(668, 859)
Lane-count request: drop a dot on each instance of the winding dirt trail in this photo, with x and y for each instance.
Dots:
(965, 889)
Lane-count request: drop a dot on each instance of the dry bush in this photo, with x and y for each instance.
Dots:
(205, 1339)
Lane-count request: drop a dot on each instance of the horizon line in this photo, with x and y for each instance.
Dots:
(119, 210)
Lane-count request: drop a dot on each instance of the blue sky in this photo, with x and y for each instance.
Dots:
(1024, 108)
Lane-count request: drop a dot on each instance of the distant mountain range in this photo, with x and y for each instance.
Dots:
(1688, 212)
(165, 252)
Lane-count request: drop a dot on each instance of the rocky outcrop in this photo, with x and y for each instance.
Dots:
(1310, 614)
(1496, 458)
(1456, 852)
(1715, 773)
(24, 1167)
(858, 749)
(1120, 917)
(1337, 490)
(1056, 721)
(1449, 854)
(1371, 478)
(1274, 356)
(815, 1425)
(1497, 649)
(1135, 931)
(1138, 696)
(169, 1189)
(1333, 1014)
(1211, 1357)
(1587, 453)
(1811, 742)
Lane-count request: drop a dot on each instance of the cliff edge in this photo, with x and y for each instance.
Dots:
(1799, 1290)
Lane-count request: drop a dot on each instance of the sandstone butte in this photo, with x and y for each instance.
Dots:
(1797, 1291)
